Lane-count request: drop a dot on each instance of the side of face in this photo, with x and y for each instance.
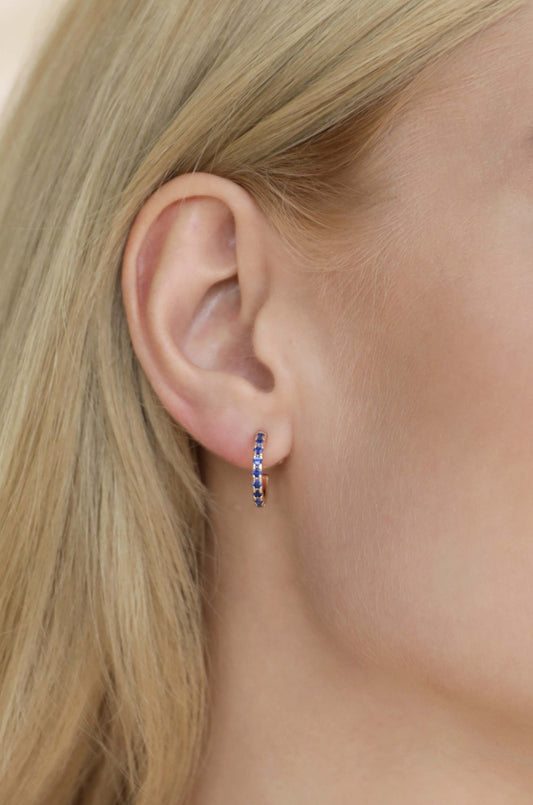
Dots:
(415, 542)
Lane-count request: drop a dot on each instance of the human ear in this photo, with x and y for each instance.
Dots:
(198, 290)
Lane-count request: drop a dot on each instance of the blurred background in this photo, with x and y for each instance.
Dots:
(23, 23)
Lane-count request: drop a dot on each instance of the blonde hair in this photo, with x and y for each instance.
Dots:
(103, 657)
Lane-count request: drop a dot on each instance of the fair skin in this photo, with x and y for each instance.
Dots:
(369, 629)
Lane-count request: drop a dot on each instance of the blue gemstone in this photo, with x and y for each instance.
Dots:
(257, 461)
(256, 483)
(257, 493)
(258, 451)
(260, 437)
(256, 473)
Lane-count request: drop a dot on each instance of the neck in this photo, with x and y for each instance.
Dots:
(294, 720)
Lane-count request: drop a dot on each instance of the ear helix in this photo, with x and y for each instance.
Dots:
(259, 480)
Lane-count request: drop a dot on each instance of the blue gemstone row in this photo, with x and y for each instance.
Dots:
(257, 468)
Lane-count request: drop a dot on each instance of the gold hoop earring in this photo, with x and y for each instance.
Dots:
(259, 480)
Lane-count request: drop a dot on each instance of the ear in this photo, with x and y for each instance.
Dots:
(200, 300)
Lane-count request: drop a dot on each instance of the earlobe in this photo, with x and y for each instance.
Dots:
(194, 280)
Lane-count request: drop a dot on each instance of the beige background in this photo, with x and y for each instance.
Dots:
(22, 24)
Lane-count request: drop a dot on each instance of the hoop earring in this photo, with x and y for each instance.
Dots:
(259, 480)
